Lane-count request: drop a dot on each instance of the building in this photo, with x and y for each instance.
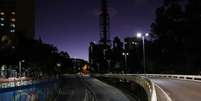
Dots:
(17, 17)
(7, 18)
(117, 56)
(100, 54)
(26, 17)
(104, 22)
(133, 46)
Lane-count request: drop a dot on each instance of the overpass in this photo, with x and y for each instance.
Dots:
(156, 87)
(161, 87)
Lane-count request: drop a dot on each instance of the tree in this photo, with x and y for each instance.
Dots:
(177, 44)
(168, 27)
(192, 35)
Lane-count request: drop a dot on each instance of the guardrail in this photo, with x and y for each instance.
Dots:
(144, 81)
(147, 84)
(20, 82)
(184, 77)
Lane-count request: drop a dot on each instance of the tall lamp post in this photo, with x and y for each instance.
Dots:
(140, 35)
(125, 54)
(20, 67)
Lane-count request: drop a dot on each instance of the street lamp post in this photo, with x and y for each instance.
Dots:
(140, 35)
(20, 67)
(75, 63)
(109, 65)
(125, 54)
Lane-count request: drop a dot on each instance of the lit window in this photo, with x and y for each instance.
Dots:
(2, 13)
(13, 19)
(13, 13)
(2, 24)
(2, 19)
(13, 25)
(12, 31)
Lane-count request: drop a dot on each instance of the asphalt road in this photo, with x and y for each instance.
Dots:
(179, 90)
(71, 89)
(75, 88)
(105, 92)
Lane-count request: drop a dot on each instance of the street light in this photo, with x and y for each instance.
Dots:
(58, 64)
(125, 54)
(140, 35)
(20, 67)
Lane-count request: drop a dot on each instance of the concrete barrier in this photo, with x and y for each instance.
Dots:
(147, 84)
(172, 76)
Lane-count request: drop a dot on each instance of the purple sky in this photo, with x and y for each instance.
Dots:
(72, 24)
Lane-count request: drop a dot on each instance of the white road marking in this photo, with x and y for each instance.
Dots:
(166, 95)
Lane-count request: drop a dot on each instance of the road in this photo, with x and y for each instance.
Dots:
(179, 90)
(75, 88)
(71, 89)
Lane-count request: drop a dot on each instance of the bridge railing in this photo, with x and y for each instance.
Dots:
(147, 84)
(172, 76)
(21, 82)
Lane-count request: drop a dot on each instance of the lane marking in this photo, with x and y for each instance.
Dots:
(86, 95)
(166, 95)
(89, 92)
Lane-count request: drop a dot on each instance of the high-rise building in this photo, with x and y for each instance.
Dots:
(7, 18)
(17, 17)
(26, 17)
(133, 46)
(104, 24)
(100, 54)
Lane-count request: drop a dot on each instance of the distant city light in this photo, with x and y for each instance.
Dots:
(2, 24)
(2, 19)
(12, 31)
(2, 13)
(125, 53)
(146, 34)
(13, 19)
(22, 60)
(13, 13)
(58, 65)
(13, 25)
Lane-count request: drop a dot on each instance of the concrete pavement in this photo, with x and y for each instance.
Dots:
(179, 90)
(105, 92)
(71, 90)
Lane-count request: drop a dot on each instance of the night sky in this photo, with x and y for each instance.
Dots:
(72, 24)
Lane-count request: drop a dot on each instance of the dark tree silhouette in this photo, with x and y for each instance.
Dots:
(177, 48)
(40, 58)
(116, 63)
